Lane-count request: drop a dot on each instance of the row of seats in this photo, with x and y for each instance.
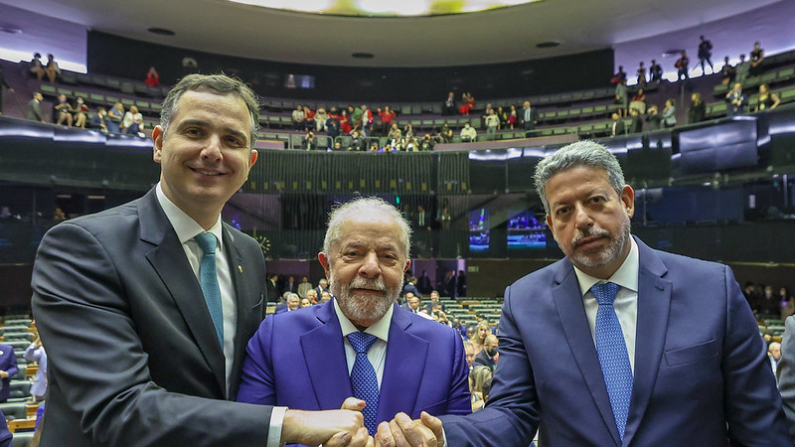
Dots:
(720, 108)
(772, 78)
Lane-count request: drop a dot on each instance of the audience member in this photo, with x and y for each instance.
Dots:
(488, 355)
(447, 133)
(132, 116)
(641, 74)
(345, 122)
(367, 121)
(449, 105)
(333, 127)
(774, 355)
(757, 56)
(309, 142)
(408, 131)
(468, 103)
(36, 66)
(305, 302)
(3, 84)
(621, 98)
(669, 113)
(655, 72)
(411, 287)
(304, 286)
(299, 118)
(636, 123)
(62, 111)
(338, 146)
(638, 102)
(653, 117)
(741, 70)
(698, 110)
(469, 351)
(33, 109)
(134, 281)
(682, 67)
(357, 142)
(321, 119)
(309, 118)
(152, 78)
(492, 124)
(386, 115)
(81, 113)
(51, 69)
(737, 100)
(529, 117)
(36, 353)
(468, 133)
(427, 143)
(8, 369)
(479, 375)
(620, 76)
(767, 99)
(97, 120)
(361, 343)
(482, 330)
(618, 343)
(513, 117)
(726, 72)
(115, 115)
(618, 127)
(704, 55)
(502, 115)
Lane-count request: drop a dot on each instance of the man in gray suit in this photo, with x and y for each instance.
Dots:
(33, 110)
(785, 371)
(146, 308)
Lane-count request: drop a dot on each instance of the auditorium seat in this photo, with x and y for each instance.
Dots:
(23, 439)
(19, 390)
(14, 410)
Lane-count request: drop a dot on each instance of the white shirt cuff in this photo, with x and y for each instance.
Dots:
(444, 436)
(275, 428)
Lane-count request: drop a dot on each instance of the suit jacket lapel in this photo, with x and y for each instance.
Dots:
(403, 370)
(169, 262)
(325, 360)
(568, 301)
(654, 303)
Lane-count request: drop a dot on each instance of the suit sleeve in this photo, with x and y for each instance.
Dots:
(98, 364)
(512, 414)
(752, 402)
(257, 384)
(786, 371)
(13, 369)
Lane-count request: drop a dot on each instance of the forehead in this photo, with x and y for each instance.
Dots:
(574, 180)
(375, 228)
(226, 109)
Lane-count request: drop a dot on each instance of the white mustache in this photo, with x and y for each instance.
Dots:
(371, 284)
(589, 233)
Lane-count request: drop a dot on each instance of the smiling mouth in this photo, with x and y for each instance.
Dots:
(206, 172)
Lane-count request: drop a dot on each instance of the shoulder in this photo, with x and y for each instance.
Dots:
(106, 223)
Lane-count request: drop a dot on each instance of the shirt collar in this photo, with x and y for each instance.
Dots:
(184, 225)
(380, 328)
(626, 276)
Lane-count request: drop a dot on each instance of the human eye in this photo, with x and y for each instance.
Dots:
(561, 211)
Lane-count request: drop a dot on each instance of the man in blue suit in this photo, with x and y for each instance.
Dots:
(619, 344)
(307, 359)
(8, 368)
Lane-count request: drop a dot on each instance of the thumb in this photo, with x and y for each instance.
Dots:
(353, 404)
(435, 424)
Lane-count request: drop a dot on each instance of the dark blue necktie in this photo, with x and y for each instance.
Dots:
(612, 351)
(208, 278)
(363, 378)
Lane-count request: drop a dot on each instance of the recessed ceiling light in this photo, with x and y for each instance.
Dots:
(161, 31)
(363, 55)
(549, 44)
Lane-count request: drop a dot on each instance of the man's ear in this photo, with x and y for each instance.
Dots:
(157, 138)
(326, 266)
(628, 199)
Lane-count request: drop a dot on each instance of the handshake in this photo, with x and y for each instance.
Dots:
(345, 428)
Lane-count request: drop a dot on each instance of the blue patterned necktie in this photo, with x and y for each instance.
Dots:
(612, 351)
(363, 378)
(208, 278)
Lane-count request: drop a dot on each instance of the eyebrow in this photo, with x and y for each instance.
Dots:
(203, 123)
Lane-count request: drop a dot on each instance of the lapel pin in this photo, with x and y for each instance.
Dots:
(240, 269)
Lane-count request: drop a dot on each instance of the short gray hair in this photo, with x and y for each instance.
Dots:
(582, 153)
(220, 84)
(365, 205)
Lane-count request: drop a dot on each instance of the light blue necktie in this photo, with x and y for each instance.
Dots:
(612, 351)
(208, 278)
(363, 378)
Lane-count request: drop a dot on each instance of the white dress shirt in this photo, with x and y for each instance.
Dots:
(626, 302)
(187, 229)
(377, 352)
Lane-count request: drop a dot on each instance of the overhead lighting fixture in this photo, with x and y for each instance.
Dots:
(385, 8)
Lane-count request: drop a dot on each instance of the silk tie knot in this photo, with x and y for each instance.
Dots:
(361, 341)
(207, 242)
(605, 293)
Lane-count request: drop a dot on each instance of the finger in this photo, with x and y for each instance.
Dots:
(397, 434)
(370, 442)
(353, 404)
(383, 437)
(435, 424)
(340, 439)
(360, 438)
(410, 430)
